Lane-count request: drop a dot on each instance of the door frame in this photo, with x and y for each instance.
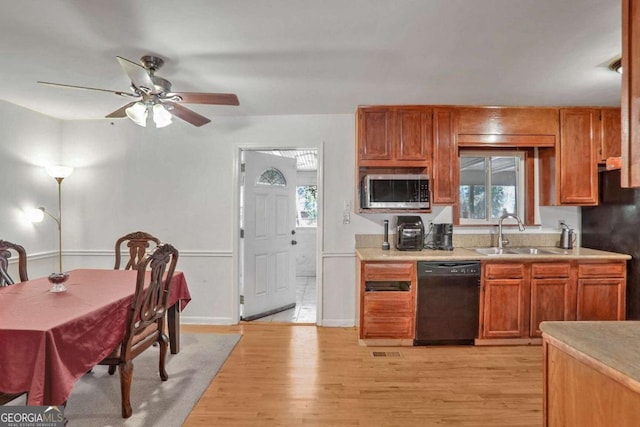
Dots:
(235, 232)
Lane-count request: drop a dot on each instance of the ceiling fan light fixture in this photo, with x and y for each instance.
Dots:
(138, 114)
(161, 116)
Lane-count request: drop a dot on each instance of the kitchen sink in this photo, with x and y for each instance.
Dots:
(518, 251)
(529, 251)
(491, 251)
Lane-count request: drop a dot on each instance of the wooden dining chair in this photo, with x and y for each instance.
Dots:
(138, 243)
(6, 249)
(145, 320)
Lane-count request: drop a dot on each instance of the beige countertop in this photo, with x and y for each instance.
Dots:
(613, 344)
(467, 254)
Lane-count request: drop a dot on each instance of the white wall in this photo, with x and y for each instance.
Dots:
(175, 183)
(28, 142)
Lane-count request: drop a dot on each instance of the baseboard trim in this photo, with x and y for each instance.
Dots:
(198, 320)
(508, 341)
(337, 323)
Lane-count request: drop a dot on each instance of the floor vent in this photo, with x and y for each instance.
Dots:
(386, 354)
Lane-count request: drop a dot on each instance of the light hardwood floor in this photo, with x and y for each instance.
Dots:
(293, 375)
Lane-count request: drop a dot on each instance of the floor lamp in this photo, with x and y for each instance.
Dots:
(59, 173)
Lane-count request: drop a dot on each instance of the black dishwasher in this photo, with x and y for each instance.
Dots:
(448, 302)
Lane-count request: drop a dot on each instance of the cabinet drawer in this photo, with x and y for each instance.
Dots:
(389, 271)
(550, 269)
(504, 271)
(388, 327)
(602, 270)
(389, 304)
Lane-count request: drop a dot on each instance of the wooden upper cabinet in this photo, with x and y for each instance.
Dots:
(375, 134)
(507, 126)
(630, 95)
(445, 157)
(578, 164)
(394, 136)
(413, 132)
(610, 136)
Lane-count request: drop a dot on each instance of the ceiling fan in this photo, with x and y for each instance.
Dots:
(154, 96)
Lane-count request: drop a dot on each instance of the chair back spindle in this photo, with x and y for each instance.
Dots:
(138, 243)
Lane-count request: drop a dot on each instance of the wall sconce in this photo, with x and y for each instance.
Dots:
(59, 173)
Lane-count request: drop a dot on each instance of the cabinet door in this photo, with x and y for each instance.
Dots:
(505, 309)
(413, 133)
(630, 97)
(388, 315)
(579, 137)
(610, 137)
(601, 299)
(375, 134)
(551, 299)
(383, 271)
(445, 157)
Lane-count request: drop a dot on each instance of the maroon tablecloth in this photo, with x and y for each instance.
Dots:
(49, 340)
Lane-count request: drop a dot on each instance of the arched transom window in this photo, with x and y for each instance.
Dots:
(272, 176)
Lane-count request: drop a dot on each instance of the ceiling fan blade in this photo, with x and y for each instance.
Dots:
(120, 112)
(205, 98)
(117, 92)
(185, 114)
(138, 74)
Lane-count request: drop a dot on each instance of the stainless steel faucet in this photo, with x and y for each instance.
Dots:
(501, 239)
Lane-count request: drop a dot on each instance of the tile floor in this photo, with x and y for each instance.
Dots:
(305, 309)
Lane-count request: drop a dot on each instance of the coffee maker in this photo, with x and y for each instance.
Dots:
(443, 237)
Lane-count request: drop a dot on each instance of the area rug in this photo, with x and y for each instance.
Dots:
(95, 400)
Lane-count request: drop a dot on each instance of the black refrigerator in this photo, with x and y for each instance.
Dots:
(614, 225)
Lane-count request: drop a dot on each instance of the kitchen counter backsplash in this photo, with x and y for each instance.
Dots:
(470, 240)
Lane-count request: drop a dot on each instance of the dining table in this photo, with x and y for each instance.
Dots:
(48, 340)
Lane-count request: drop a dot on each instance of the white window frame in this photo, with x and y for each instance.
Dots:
(520, 185)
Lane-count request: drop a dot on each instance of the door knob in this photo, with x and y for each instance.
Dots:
(293, 242)
(293, 232)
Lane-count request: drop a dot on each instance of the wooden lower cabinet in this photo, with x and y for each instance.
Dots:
(505, 297)
(601, 293)
(384, 313)
(553, 295)
(388, 315)
(518, 296)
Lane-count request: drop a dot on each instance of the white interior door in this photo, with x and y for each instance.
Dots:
(269, 271)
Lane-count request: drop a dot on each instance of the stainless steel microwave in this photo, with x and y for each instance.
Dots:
(395, 191)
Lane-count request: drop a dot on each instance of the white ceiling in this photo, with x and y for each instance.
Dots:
(313, 56)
